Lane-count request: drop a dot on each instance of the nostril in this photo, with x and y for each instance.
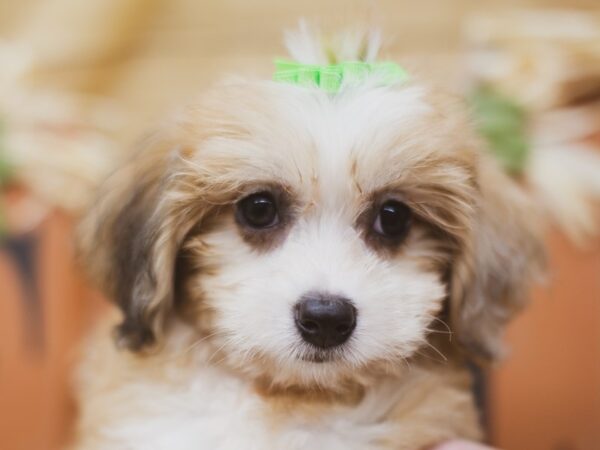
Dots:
(309, 325)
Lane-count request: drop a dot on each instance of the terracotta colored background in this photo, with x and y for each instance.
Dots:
(36, 408)
(546, 396)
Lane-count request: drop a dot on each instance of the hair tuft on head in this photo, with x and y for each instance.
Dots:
(307, 44)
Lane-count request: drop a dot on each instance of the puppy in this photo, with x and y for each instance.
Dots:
(300, 270)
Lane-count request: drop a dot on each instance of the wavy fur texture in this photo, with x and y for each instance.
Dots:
(207, 354)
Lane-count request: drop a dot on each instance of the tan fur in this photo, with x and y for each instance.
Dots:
(162, 235)
(436, 402)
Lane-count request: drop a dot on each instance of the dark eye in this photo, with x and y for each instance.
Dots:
(393, 219)
(258, 210)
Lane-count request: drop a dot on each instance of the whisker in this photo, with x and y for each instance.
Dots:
(431, 330)
(430, 357)
(188, 349)
(406, 362)
(437, 350)
(221, 347)
(443, 323)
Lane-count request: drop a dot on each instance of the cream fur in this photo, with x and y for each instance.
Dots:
(210, 356)
(182, 398)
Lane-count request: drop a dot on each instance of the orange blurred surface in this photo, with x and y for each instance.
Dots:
(547, 394)
(36, 408)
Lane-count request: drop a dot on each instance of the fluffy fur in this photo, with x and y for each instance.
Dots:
(208, 356)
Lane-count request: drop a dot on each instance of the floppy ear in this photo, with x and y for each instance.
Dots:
(131, 236)
(490, 280)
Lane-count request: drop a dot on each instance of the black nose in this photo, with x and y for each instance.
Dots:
(325, 320)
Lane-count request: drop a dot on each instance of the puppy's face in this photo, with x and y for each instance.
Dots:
(311, 239)
(331, 252)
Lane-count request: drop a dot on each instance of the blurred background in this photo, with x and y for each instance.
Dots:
(81, 79)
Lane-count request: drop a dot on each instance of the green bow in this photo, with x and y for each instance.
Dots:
(331, 77)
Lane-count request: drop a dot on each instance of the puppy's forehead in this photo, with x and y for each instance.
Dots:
(356, 142)
(353, 135)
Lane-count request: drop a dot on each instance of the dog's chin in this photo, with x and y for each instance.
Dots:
(318, 358)
(323, 356)
(318, 355)
(333, 371)
(305, 366)
(319, 369)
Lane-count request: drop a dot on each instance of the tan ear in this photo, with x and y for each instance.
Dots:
(490, 281)
(130, 239)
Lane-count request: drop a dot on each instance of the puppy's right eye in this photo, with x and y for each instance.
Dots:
(258, 210)
(393, 219)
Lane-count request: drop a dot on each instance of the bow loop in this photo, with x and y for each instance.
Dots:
(332, 77)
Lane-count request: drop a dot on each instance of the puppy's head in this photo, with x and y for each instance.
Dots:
(311, 238)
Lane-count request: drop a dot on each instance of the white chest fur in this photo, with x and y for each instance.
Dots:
(214, 411)
(166, 403)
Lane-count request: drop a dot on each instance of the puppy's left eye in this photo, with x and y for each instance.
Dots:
(393, 219)
(258, 210)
